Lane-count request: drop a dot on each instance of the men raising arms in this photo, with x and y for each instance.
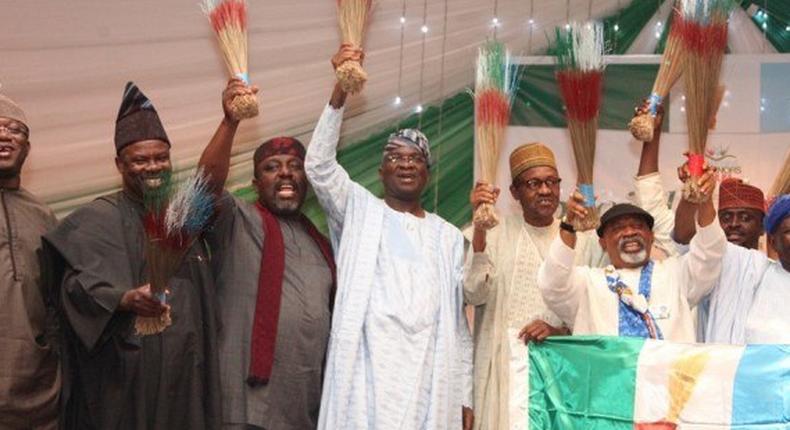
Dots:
(400, 354)
(634, 296)
(275, 279)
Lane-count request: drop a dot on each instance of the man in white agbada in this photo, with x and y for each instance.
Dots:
(400, 353)
(634, 296)
(749, 301)
(502, 270)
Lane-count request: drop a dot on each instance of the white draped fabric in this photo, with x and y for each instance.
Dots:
(66, 64)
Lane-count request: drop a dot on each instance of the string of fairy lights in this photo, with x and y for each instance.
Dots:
(760, 15)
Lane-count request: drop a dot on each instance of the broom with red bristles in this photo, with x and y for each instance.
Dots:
(704, 39)
(580, 78)
(493, 95)
(352, 18)
(669, 72)
(228, 19)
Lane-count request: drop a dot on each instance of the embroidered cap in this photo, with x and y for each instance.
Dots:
(410, 137)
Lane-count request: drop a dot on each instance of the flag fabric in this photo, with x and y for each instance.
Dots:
(600, 382)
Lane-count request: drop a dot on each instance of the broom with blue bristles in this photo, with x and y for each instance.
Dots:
(175, 216)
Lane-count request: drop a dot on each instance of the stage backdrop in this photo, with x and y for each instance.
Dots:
(751, 138)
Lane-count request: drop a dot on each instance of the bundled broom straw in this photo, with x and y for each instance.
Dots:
(580, 78)
(174, 217)
(494, 86)
(352, 17)
(704, 39)
(781, 184)
(228, 18)
(669, 72)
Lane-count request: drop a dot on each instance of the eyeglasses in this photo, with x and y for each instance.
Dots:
(395, 159)
(535, 184)
(14, 130)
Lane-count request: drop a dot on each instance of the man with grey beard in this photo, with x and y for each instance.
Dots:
(635, 295)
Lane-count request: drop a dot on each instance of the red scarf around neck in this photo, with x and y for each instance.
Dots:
(270, 286)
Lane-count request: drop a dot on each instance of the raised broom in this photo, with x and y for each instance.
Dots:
(493, 94)
(704, 39)
(352, 18)
(228, 19)
(580, 79)
(669, 72)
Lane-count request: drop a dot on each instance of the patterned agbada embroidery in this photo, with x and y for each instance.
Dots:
(635, 318)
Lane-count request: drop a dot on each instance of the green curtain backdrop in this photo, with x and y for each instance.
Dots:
(630, 21)
(538, 102)
(623, 27)
(776, 20)
(450, 129)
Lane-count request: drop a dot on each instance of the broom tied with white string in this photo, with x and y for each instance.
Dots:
(669, 72)
(228, 19)
(704, 40)
(494, 85)
(579, 75)
(352, 17)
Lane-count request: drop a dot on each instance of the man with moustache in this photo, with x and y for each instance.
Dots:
(29, 371)
(275, 281)
(117, 379)
(400, 354)
(502, 269)
(634, 296)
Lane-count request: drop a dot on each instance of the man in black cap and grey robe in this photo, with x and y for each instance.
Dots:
(116, 379)
(635, 295)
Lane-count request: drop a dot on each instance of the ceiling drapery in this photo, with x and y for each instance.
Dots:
(66, 63)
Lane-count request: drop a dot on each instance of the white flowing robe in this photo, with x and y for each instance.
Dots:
(400, 352)
(749, 302)
(502, 283)
(582, 299)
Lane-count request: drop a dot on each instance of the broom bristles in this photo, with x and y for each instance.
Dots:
(228, 19)
(704, 37)
(781, 184)
(352, 17)
(494, 86)
(580, 79)
(671, 61)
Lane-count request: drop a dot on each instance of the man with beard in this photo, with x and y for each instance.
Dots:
(634, 296)
(117, 379)
(400, 354)
(29, 372)
(275, 279)
(502, 269)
